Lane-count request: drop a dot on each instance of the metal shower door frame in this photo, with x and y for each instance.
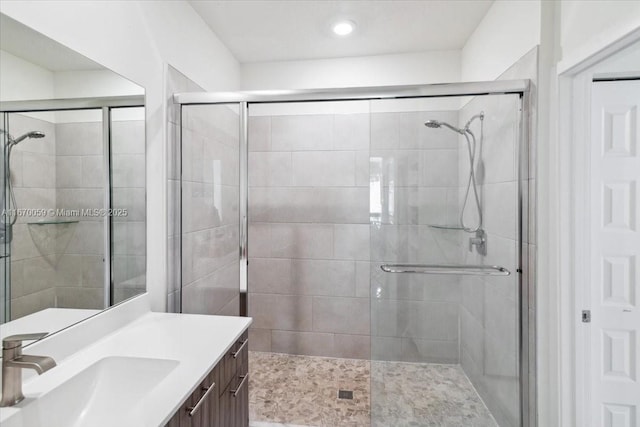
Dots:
(521, 88)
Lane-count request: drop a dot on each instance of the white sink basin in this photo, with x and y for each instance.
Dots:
(104, 394)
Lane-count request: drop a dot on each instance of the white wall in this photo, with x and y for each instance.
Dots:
(136, 39)
(588, 26)
(508, 31)
(90, 83)
(383, 70)
(22, 80)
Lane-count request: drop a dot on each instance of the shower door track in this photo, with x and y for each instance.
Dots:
(440, 90)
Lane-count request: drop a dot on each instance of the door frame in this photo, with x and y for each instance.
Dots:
(570, 205)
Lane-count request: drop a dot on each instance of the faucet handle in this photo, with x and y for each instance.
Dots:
(16, 340)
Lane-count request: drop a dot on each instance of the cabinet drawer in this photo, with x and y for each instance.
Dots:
(233, 361)
(234, 402)
(227, 404)
(201, 408)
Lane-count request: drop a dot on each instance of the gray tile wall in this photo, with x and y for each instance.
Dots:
(175, 82)
(128, 192)
(414, 170)
(80, 185)
(33, 251)
(309, 234)
(62, 265)
(312, 237)
(489, 312)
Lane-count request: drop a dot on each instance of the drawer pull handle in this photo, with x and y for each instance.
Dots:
(244, 379)
(193, 409)
(237, 352)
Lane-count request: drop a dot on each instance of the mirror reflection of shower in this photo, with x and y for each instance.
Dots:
(479, 241)
(9, 206)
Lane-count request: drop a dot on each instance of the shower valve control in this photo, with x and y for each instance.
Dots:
(480, 242)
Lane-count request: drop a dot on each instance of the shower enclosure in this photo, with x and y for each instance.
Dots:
(383, 225)
(72, 233)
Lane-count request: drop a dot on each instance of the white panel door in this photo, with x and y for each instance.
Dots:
(615, 254)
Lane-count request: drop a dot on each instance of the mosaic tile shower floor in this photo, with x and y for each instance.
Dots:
(288, 390)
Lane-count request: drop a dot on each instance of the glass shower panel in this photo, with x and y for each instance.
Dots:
(433, 335)
(5, 247)
(128, 201)
(210, 223)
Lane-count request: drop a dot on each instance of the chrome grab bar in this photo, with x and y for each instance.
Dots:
(484, 270)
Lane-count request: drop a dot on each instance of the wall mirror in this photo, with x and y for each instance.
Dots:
(72, 174)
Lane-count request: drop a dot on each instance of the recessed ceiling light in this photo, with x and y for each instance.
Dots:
(343, 28)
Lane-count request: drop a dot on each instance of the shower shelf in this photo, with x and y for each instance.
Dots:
(54, 222)
(446, 227)
(483, 270)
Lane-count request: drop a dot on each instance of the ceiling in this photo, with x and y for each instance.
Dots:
(25, 43)
(270, 30)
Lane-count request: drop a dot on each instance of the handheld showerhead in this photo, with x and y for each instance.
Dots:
(471, 148)
(10, 143)
(435, 124)
(33, 134)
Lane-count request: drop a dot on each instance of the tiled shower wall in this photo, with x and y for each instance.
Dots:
(80, 185)
(33, 168)
(489, 313)
(415, 171)
(61, 265)
(309, 234)
(312, 236)
(175, 82)
(128, 192)
(489, 309)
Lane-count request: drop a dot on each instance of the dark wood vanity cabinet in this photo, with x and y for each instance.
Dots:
(226, 404)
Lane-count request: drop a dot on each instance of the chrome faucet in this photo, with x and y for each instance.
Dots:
(13, 362)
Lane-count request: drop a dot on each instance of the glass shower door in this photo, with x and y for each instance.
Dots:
(444, 347)
(210, 221)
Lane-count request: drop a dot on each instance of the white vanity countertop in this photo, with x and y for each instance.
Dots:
(196, 342)
(48, 320)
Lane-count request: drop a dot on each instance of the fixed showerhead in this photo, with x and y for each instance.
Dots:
(33, 134)
(435, 124)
